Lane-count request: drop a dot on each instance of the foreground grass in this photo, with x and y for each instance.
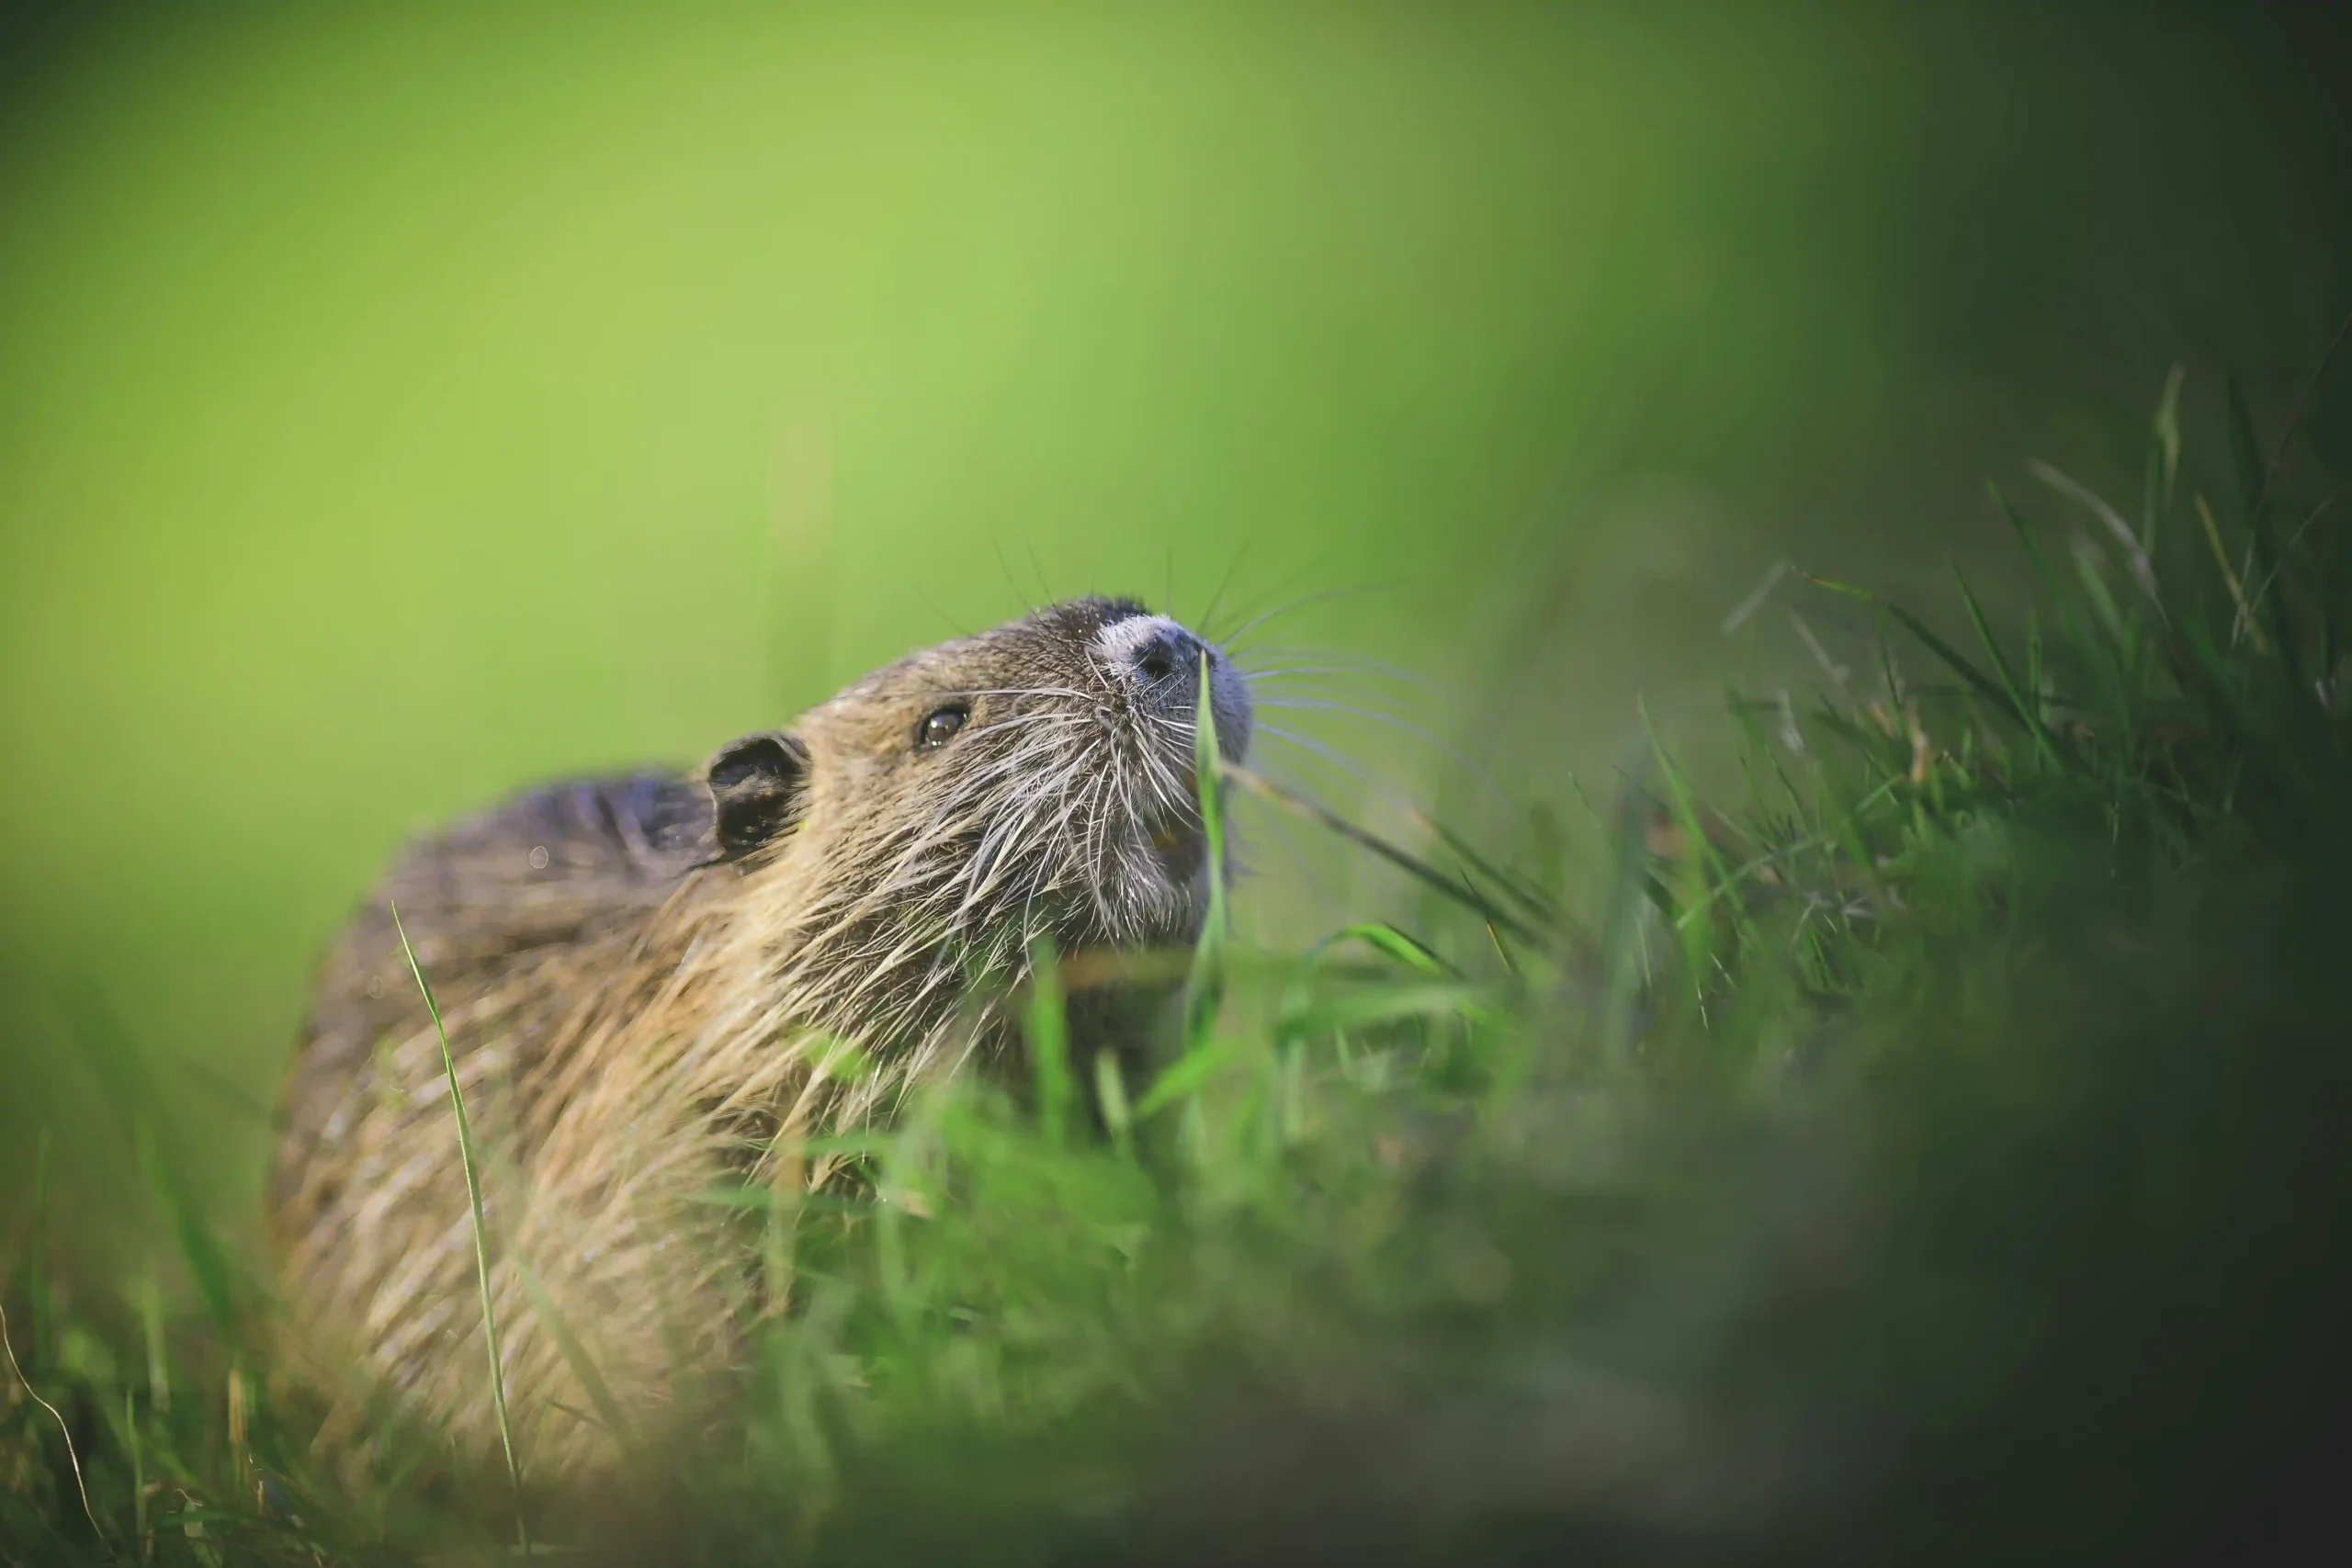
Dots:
(1933, 1153)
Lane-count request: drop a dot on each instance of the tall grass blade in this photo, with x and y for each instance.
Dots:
(2001, 695)
(2244, 448)
(1187, 1074)
(2242, 623)
(1208, 780)
(2105, 659)
(2164, 457)
(132, 1439)
(1390, 1004)
(2089, 573)
(1205, 986)
(1420, 870)
(1048, 1031)
(1525, 894)
(37, 1252)
(2143, 570)
(159, 1365)
(1692, 868)
(2026, 701)
(1387, 940)
(73, 1455)
(2025, 538)
(1111, 1095)
(2301, 406)
(1631, 887)
(2265, 560)
(481, 1243)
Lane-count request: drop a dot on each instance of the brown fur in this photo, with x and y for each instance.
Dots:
(643, 980)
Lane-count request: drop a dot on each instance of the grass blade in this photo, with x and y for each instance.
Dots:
(1693, 868)
(1994, 692)
(2143, 570)
(2163, 459)
(1206, 779)
(37, 1257)
(1186, 1074)
(1623, 959)
(2104, 659)
(1204, 987)
(481, 1243)
(1315, 811)
(1387, 938)
(2244, 622)
(2299, 407)
(73, 1455)
(1390, 1004)
(1048, 1031)
(2027, 707)
(159, 1365)
(1529, 898)
(2265, 561)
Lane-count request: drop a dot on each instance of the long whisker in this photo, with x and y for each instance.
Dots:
(1336, 758)
(1234, 639)
(1447, 749)
(1346, 660)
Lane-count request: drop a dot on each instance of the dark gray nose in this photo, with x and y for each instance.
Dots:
(1159, 663)
(1169, 653)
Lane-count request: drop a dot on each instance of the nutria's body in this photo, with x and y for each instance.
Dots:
(640, 975)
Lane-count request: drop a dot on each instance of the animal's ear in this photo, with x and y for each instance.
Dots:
(757, 786)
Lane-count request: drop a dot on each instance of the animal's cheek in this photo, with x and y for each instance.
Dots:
(855, 778)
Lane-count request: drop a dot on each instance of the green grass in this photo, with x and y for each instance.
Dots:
(1929, 1150)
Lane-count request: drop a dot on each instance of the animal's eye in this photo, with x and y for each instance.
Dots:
(939, 728)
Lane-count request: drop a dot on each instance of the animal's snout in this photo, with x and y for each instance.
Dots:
(1168, 653)
(1160, 662)
(1158, 657)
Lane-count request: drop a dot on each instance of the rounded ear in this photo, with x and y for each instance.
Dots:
(757, 785)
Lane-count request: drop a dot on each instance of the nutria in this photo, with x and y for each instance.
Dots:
(646, 979)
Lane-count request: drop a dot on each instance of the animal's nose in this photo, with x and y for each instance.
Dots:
(1169, 653)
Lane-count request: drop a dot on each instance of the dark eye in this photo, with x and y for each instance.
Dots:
(938, 728)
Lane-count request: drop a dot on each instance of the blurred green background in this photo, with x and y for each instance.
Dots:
(399, 404)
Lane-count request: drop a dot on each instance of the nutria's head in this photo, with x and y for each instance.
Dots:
(928, 822)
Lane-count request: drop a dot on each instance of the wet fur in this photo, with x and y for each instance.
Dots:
(642, 976)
